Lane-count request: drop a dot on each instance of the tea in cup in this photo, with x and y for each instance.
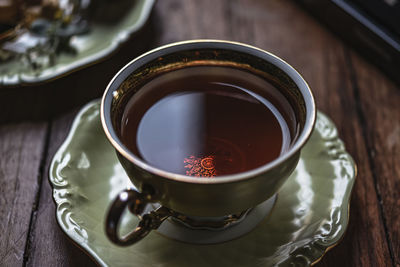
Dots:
(207, 130)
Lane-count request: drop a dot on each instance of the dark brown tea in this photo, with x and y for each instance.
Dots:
(207, 121)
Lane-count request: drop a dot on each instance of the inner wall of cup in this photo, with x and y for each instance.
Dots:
(213, 57)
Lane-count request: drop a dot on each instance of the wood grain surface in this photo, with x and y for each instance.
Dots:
(46, 238)
(379, 109)
(21, 148)
(363, 102)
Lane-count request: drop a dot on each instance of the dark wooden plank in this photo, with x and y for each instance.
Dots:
(49, 245)
(380, 107)
(365, 242)
(21, 150)
(183, 20)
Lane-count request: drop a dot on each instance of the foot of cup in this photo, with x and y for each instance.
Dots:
(173, 228)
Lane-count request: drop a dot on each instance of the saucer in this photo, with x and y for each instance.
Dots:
(310, 215)
(101, 41)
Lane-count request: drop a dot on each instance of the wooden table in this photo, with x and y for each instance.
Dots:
(363, 102)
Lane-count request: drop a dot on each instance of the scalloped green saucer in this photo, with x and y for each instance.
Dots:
(309, 217)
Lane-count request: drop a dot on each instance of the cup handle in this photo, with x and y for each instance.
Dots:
(136, 202)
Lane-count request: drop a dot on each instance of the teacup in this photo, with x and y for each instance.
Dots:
(201, 202)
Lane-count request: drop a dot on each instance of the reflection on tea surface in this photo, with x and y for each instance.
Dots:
(206, 122)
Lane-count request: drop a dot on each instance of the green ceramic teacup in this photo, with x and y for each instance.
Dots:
(180, 195)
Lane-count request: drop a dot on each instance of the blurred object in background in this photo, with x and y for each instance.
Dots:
(65, 56)
(33, 32)
(41, 40)
(372, 27)
(386, 12)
